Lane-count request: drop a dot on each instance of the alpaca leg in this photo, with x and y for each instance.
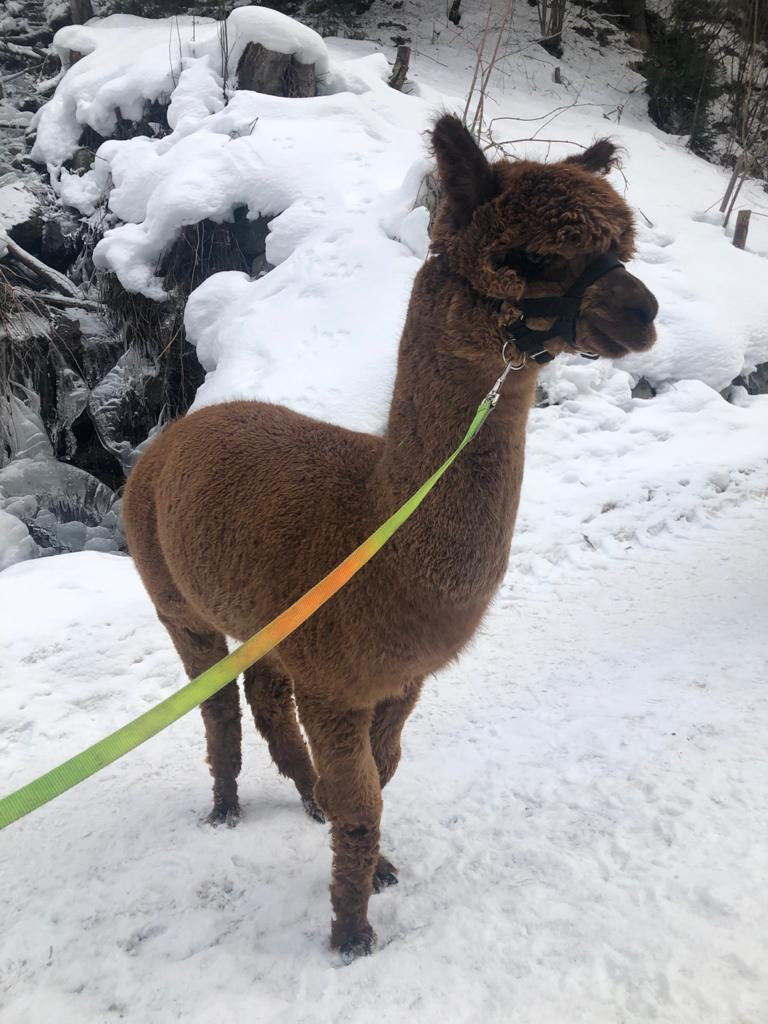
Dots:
(269, 691)
(349, 793)
(199, 649)
(388, 721)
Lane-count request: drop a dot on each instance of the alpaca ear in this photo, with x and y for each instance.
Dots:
(599, 158)
(465, 174)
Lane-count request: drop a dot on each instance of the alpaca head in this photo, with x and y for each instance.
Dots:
(518, 231)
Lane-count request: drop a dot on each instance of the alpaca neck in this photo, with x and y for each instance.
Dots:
(462, 533)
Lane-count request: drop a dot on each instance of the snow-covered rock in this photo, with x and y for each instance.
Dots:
(20, 213)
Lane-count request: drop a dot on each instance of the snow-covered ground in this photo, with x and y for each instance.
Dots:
(580, 814)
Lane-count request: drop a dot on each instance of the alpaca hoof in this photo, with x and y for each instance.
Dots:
(312, 809)
(384, 881)
(384, 875)
(359, 945)
(224, 814)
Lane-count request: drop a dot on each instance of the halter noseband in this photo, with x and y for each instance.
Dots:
(565, 307)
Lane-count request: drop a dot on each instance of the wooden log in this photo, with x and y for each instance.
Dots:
(276, 74)
(400, 67)
(61, 283)
(741, 229)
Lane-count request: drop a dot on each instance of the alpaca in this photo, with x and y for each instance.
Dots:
(236, 510)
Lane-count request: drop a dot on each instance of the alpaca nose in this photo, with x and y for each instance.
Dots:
(643, 305)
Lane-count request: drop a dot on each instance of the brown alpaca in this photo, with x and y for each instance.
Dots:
(236, 510)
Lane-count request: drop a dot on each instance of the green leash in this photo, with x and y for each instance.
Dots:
(76, 769)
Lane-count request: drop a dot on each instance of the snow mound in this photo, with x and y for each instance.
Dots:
(16, 544)
(127, 61)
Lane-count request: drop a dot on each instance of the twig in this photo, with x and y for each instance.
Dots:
(24, 71)
(542, 117)
(533, 138)
(64, 301)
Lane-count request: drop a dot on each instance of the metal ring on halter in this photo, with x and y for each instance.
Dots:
(513, 366)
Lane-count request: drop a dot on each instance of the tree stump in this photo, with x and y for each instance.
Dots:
(276, 74)
(741, 229)
(80, 11)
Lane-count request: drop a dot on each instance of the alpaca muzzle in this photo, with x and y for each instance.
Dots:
(565, 307)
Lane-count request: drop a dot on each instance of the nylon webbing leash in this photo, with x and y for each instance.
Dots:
(57, 781)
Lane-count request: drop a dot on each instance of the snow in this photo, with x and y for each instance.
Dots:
(127, 61)
(580, 814)
(17, 204)
(16, 544)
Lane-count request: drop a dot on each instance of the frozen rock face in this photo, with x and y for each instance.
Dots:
(62, 508)
(122, 421)
(56, 506)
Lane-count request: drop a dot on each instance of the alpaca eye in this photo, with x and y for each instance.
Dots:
(530, 265)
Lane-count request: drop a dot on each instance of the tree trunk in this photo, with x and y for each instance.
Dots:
(632, 19)
(454, 12)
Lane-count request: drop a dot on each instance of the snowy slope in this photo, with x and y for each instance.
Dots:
(579, 817)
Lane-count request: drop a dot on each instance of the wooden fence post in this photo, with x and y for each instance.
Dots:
(741, 229)
(400, 68)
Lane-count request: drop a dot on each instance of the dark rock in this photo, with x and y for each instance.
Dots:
(756, 382)
(82, 160)
(643, 389)
(61, 239)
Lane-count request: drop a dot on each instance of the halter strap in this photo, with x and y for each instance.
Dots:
(565, 307)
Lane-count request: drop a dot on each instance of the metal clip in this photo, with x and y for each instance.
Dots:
(493, 395)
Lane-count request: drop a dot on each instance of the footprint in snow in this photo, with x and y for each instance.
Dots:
(132, 945)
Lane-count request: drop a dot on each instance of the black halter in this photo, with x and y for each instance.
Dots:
(564, 307)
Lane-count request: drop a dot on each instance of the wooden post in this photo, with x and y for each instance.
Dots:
(400, 67)
(558, 76)
(741, 229)
(454, 11)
